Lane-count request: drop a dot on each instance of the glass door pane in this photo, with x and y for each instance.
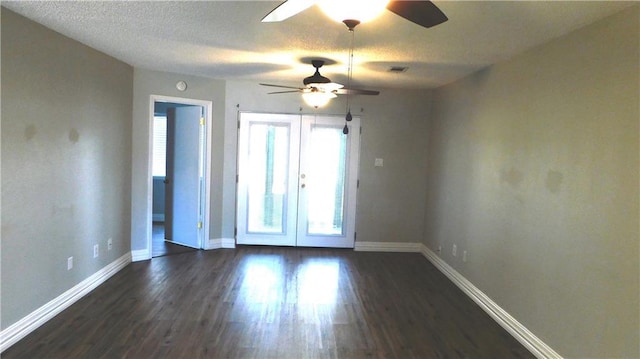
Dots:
(268, 155)
(328, 182)
(267, 182)
(326, 179)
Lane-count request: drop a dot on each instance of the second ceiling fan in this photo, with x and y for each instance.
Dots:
(319, 90)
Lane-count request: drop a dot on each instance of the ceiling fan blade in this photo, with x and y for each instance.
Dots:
(287, 9)
(291, 91)
(423, 13)
(346, 91)
(284, 87)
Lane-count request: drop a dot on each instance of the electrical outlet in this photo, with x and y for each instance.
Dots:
(464, 256)
(69, 263)
(454, 251)
(96, 250)
(110, 244)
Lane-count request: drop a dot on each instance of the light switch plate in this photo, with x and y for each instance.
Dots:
(379, 162)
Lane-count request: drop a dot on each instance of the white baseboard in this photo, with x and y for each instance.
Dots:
(140, 255)
(217, 243)
(32, 321)
(387, 247)
(536, 346)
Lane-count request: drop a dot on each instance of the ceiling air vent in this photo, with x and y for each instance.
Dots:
(398, 69)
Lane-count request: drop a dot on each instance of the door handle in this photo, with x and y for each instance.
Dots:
(303, 185)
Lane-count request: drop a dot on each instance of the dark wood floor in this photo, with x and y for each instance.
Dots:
(269, 302)
(160, 247)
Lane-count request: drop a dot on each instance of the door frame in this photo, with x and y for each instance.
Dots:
(294, 157)
(351, 200)
(208, 106)
(352, 167)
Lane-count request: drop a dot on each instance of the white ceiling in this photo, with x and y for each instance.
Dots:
(226, 40)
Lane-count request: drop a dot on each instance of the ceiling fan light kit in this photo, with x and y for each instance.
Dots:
(317, 98)
(326, 87)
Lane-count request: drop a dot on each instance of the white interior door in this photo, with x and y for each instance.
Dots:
(184, 176)
(297, 180)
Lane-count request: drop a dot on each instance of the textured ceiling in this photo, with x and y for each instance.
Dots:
(226, 40)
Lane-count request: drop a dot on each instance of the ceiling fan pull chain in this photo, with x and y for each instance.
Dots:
(348, 117)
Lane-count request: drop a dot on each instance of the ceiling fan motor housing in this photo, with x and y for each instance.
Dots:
(316, 78)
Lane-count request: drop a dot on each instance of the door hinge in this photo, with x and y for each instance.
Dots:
(358, 184)
(237, 178)
(235, 231)
(202, 121)
(199, 224)
(238, 123)
(355, 234)
(360, 130)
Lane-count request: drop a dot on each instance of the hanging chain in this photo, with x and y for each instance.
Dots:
(350, 68)
(349, 75)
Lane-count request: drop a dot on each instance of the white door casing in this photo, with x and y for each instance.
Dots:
(297, 180)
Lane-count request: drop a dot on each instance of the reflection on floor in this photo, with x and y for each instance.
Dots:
(161, 247)
(272, 302)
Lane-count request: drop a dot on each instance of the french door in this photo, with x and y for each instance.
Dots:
(297, 180)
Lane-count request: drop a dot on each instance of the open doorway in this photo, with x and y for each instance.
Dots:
(179, 175)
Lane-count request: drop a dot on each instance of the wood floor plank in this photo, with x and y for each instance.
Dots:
(270, 302)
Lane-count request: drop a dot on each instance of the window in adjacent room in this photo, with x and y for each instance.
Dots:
(159, 146)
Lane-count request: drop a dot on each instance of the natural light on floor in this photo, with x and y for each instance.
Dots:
(315, 281)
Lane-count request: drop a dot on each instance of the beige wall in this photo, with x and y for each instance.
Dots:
(145, 84)
(66, 163)
(390, 199)
(533, 169)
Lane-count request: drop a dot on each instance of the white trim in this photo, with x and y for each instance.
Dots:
(346, 239)
(217, 243)
(523, 335)
(387, 247)
(208, 105)
(287, 236)
(140, 255)
(35, 319)
(228, 242)
(536, 346)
